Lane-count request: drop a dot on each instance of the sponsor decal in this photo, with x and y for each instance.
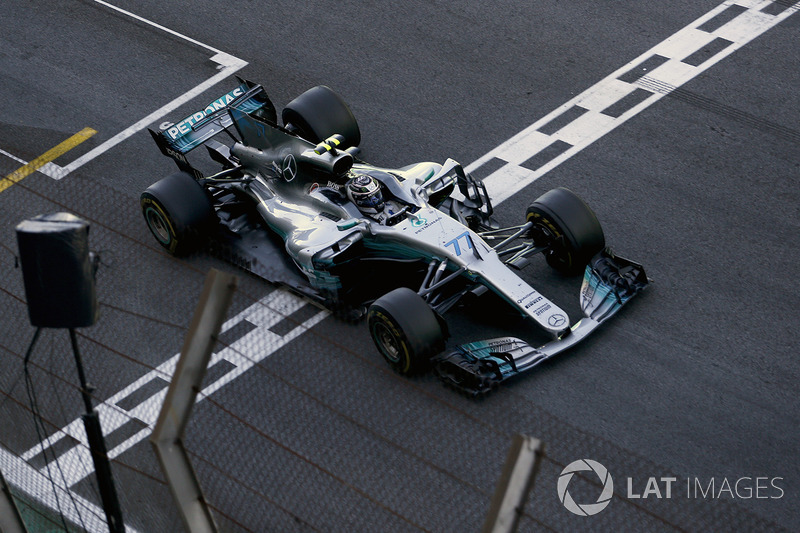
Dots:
(557, 320)
(501, 342)
(331, 185)
(185, 126)
(526, 297)
(532, 302)
(425, 224)
(174, 153)
(588, 291)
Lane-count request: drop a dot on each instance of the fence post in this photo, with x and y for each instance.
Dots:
(516, 481)
(167, 436)
(10, 519)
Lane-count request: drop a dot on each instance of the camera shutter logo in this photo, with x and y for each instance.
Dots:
(585, 509)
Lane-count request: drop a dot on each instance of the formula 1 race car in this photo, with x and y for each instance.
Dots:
(295, 205)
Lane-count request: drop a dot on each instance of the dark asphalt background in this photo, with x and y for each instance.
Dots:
(697, 378)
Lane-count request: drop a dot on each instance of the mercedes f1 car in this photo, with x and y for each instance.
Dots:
(294, 204)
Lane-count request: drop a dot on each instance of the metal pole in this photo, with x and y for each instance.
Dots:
(167, 436)
(97, 446)
(10, 519)
(516, 481)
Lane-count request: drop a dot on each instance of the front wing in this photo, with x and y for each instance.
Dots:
(476, 368)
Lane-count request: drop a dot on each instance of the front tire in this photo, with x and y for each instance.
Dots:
(178, 213)
(570, 225)
(405, 330)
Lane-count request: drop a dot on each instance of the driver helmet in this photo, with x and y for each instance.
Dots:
(365, 191)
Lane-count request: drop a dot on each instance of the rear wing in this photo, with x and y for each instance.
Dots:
(176, 140)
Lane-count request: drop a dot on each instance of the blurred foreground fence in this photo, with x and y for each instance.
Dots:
(294, 428)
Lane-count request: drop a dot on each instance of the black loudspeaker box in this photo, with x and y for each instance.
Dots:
(58, 271)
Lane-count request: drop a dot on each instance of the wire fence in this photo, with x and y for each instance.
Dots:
(294, 429)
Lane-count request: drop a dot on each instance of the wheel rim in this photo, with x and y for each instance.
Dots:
(558, 254)
(388, 342)
(157, 224)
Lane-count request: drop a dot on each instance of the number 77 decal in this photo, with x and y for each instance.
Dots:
(456, 247)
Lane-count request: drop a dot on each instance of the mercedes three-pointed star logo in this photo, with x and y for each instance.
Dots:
(289, 168)
(557, 320)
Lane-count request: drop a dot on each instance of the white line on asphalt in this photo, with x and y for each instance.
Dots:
(227, 65)
(47, 169)
(243, 354)
(159, 26)
(525, 158)
(21, 475)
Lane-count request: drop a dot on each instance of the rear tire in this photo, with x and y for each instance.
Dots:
(405, 330)
(178, 213)
(575, 233)
(319, 113)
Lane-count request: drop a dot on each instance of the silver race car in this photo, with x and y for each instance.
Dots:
(295, 205)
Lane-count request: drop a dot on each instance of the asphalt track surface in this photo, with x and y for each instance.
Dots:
(697, 378)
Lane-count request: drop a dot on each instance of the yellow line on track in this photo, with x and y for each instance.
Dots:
(47, 157)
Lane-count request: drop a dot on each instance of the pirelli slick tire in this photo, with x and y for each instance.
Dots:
(571, 226)
(319, 113)
(405, 330)
(178, 213)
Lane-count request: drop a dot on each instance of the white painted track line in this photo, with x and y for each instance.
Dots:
(227, 65)
(158, 26)
(243, 354)
(673, 72)
(19, 474)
